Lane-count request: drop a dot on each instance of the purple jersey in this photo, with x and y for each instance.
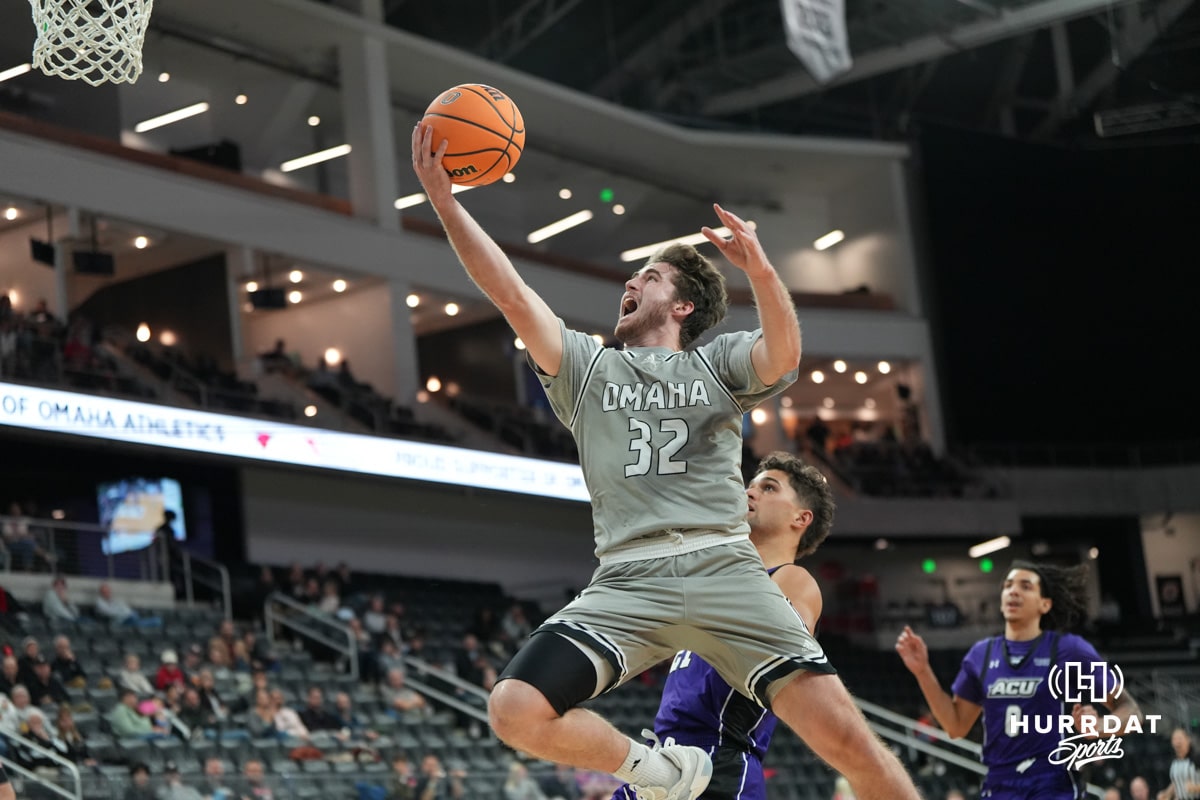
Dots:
(700, 709)
(1021, 710)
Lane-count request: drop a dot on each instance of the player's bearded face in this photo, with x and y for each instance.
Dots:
(650, 315)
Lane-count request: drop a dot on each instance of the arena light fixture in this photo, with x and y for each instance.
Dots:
(638, 253)
(318, 157)
(555, 228)
(409, 200)
(14, 72)
(990, 546)
(459, 188)
(339, 286)
(829, 240)
(413, 300)
(172, 117)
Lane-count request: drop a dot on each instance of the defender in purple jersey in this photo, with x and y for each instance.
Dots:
(790, 513)
(1008, 680)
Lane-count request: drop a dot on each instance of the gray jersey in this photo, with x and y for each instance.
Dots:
(659, 433)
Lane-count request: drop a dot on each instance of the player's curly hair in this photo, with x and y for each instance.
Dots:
(699, 282)
(1067, 589)
(812, 489)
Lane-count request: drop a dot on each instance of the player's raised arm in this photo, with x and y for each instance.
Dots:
(954, 714)
(778, 351)
(483, 259)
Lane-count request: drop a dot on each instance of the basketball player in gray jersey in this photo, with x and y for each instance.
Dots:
(659, 435)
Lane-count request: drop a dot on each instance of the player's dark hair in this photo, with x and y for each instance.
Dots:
(1066, 587)
(812, 489)
(699, 282)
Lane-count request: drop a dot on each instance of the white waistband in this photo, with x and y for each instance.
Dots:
(669, 543)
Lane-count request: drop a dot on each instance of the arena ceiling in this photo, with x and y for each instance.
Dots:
(1033, 69)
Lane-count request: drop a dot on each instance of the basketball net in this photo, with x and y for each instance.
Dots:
(95, 41)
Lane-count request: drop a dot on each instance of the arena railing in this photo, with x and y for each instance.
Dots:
(66, 768)
(419, 668)
(67, 547)
(281, 611)
(201, 571)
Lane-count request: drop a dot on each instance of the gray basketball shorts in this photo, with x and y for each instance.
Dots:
(717, 602)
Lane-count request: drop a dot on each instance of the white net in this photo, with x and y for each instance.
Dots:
(95, 41)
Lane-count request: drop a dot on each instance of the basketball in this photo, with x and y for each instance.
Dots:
(485, 130)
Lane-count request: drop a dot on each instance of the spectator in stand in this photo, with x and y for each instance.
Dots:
(240, 661)
(315, 716)
(117, 612)
(193, 660)
(403, 785)
(73, 743)
(210, 698)
(375, 618)
(488, 631)
(10, 721)
(516, 626)
(254, 784)
(22, 545)
(818, 436)
(388, 657)
(258, 680)
(22, 708)
(368, 663)
(1139, 789)
(260, 722)
(261, 654)
(45, 689)
(30, 651)
(350, 720)
(312, 593)
(66, 666)
(169, 671)
(345, 578)
(139, 784)
(400, 699)
(470, 660)
(198, 718)
(330, 602)
(174, 788)
(227, 634)
(220, 658)
(132, 677)
(436, 784)
(264, 588)
(129, 723)
(287, 721)
(562, 784)
(276, 359)
(57, 604)
(519, 786)
(297, 582)
(1111, 793)
(395, 631)
(215, 786)
(9, 675)
(164, 550)
(36, 731)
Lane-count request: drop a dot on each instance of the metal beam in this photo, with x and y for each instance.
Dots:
(999, 110)
(531, 20)
(659, 47)
(1133, 40)
(1010, 23)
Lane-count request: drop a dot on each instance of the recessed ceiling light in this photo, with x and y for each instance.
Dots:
(314, 121)
(413, 300)
(827, 402)
(517, 343)
(310, 411)
(869, 402)
(451, 309)
(509, 177)
(168, 338)
(618, 209)
(860, 377)
(564, 193)
(839, 366)
(11, 213)
(333, 356)
(252, 286)
(164, 76)
(434, 384)
(143, 332)
(758, 416)
(339, 286)
(295, 276)
(295, 297)
(818, 376)
(884, 367)
(241, 99)
(141, 242)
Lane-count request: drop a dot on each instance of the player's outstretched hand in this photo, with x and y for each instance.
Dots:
(742, 248)
(427, 163)
(912, 650)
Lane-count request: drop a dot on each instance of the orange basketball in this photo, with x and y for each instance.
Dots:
(485, 130)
